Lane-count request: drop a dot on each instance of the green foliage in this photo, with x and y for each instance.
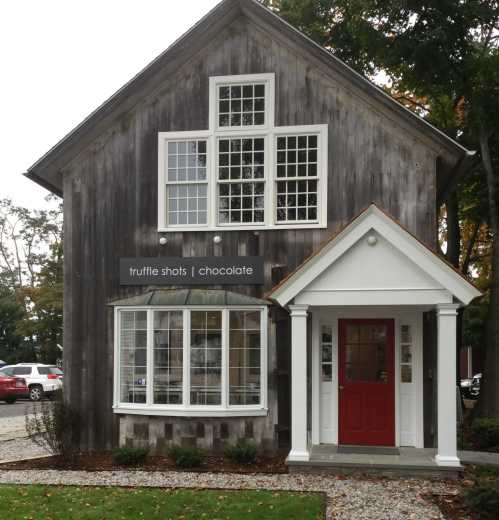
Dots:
(186, 457)
(30, 283)
(242, 452)
(130, 456)
(115, 503)
(483, 497)
(55, 425)
(485, 433)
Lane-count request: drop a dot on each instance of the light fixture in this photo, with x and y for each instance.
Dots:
(372, 240)
(163, 241)
(217, 239)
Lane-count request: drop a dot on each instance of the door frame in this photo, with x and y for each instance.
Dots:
(390, 347)
(330, 316)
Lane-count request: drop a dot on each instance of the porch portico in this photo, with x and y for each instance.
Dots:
(357, 309)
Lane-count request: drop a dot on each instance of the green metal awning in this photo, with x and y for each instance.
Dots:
(182, 297)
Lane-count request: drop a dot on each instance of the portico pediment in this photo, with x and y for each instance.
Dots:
(374, 261)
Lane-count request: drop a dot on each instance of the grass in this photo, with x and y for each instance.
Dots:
(78, 503)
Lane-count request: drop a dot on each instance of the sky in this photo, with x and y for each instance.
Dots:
(60, 59)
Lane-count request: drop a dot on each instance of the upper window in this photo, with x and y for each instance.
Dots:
(243, 172)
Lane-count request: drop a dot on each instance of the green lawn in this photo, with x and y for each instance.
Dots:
(68, 503)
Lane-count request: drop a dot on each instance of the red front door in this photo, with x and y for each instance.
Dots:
(367, 382)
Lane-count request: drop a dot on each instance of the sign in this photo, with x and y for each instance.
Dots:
(241, 270)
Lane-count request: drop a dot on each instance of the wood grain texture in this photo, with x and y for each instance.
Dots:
(110, 198)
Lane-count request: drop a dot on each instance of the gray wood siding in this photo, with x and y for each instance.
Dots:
(110, 195)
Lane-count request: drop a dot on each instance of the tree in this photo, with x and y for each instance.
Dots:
(442, 60)
(31, 280)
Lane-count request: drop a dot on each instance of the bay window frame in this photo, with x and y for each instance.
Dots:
(186, 409)
(269, 132)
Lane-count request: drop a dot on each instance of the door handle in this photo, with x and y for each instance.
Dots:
(341, 387)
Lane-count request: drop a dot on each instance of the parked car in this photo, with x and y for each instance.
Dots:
(42, 380)
(11, 388)
(470, 388)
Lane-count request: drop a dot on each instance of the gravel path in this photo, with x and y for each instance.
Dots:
(20, 449)
(348, 499)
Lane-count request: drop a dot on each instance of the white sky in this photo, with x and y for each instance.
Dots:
(60, 59)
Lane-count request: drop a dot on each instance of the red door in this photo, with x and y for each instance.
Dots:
(367, 382)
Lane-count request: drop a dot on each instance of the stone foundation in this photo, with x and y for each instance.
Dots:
(210, 434)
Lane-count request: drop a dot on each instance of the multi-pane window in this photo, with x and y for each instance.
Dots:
(243, 172)
(206, 357)
(405, 354)
(168, 357)
(198, 358)
(133, 356)
(244, 357)
(241, 105)
(297, 178)
(241, 185)
(187, 184)
(326, 354)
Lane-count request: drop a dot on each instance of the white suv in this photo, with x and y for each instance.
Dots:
(42, 380)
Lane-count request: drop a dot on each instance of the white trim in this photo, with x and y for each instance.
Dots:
(450, 281)
(186, 409)
(269, 133)
(190, 411)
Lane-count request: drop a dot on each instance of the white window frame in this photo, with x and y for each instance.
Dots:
(185, 409)
(270, 133)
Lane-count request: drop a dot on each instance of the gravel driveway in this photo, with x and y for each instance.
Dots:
(348, 499)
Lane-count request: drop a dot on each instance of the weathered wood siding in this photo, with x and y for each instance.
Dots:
(110, 194)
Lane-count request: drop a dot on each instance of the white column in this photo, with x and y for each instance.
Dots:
(299, 445)
(446, 407)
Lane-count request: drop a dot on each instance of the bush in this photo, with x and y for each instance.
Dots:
(485, 433)
(242, 452)
(130, 456)
(55, 426)
(185, 457)
(483, 497)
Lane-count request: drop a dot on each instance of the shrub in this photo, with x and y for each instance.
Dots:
(185, 457)
(55, 426)
(242, 452)
(130, 456)
(485, 433)
(483, 497)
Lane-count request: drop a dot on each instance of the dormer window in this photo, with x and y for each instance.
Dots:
(244, 172)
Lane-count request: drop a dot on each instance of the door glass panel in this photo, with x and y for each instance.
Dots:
(365, 353)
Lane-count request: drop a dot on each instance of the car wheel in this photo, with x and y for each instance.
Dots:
(10, 400)
(35, 392)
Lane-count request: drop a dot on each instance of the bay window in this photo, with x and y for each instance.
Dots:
(243, 172)
(191, 361)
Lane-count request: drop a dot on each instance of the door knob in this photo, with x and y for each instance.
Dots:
(341, 387)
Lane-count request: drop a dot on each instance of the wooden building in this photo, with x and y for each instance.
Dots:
(249, 241)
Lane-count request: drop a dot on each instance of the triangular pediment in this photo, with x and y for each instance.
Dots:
(375, 257)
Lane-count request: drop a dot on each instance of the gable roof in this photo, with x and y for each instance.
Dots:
(47, 170)
(373, 218)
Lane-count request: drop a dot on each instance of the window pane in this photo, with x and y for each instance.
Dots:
(168, 357)
(133, 356)
(365, 353)
(244, 357)
(206, 358)
(241, 105)
(296, 160)
(241, 180)
(327, 354)
(187, 162)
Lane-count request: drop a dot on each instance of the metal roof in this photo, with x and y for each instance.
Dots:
(182, 297)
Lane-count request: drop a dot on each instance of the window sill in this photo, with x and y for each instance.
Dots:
(189, 412)
(221, 229)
